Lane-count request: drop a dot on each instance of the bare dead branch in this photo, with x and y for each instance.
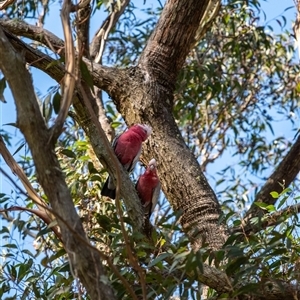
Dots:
(208, 17)
(104, 35)
(100, 112)
(42, 14)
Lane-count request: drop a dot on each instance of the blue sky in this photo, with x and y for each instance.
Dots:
(272, 8)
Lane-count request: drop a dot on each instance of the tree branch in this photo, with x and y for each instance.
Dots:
(107, 79)
(268, 220)
(4, 4)
(34, 33)
(8, 218)
(99, 40)
(284, 175)
(85, 262)
(83, 28)
(127, 190)
(164, 56)
(44, 214)
(16, 169)
(99, 109)
(211, 11)
(71, 74)
(131, 257)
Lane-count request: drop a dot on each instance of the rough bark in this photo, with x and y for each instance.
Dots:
(151, 103)
(85, 262)
(35, 33)
(83, 29)
(144, 95)
(182, 180)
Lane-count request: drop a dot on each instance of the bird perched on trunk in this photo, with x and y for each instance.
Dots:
(127, 147)
(148, 188)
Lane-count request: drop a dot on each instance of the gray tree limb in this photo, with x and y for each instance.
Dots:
(85, 262)
(283, 175)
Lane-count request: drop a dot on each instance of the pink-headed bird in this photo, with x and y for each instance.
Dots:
(127, 147)
(148, 188)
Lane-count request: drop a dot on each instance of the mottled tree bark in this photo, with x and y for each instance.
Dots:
(150, 101)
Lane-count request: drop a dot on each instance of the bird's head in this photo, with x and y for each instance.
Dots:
(146, 128)
(142, 129)
(152, 165)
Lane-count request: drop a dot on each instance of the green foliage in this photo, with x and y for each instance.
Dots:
(236, 84)
(230, 93)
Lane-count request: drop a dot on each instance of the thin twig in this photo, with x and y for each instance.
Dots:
(11, 219)
(70, 75)
(18, 171)
(104, 34)
(99, 40)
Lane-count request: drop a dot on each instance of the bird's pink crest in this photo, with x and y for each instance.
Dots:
(152, 164)
(145, 127)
